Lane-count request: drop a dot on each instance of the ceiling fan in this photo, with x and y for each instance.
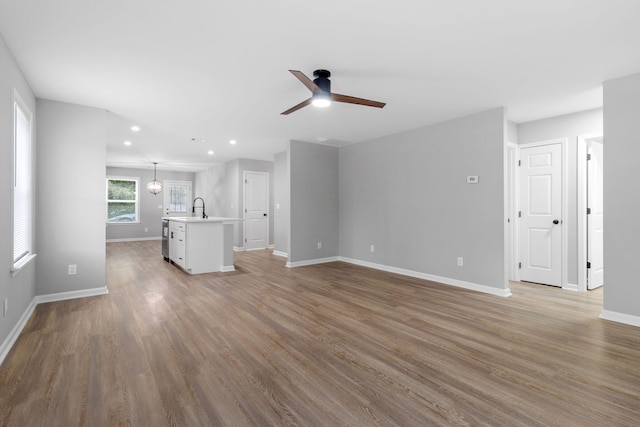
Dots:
(321, 92)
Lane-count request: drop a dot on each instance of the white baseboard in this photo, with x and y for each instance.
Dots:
(271, 247)
(282, 254)
(133, 239)
(62, 296)
(312, 262)
(17, 330)
(228, 268)
(40, 299)
(570, 287)
(444, 280)
(614, 316)
(238, 248)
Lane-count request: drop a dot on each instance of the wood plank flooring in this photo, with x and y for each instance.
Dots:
(326, 345)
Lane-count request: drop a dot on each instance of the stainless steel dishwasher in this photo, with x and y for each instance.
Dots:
(165, 239)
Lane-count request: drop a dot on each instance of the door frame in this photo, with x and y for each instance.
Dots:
(581, 188)
(512, 225)
(244, 204)
(564, 239)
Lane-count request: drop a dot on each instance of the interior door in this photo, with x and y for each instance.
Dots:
(541, 214)
(177, 198)
(256, 210)
(595, 215)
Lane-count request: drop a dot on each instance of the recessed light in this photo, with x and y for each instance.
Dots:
(210, 152)
(127, 143)
(232, 142)
(135, 128)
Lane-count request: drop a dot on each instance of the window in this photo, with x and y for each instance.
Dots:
(122, 199)
(22, 184)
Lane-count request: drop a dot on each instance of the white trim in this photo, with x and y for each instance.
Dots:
(63, 296)
(228, 268)
(581, 206)
(238, 248)
(40, 299)
(133, 239)
(279, 253)
(512, 202)
(614, 316)
(571, 287)
(311, 262)
(443, 280)
(17, 267)
(271, 246)
(16, 331)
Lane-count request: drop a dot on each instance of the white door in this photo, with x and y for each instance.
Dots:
(177, 198)
(256, 210)
(595, 222)
(541, 214)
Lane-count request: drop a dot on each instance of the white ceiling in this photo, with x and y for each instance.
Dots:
(218, 70)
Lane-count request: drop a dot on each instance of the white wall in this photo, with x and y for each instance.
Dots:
(209, 184)
(20, 289)
(622, 199)
(407, 195)
(568, 126)
(70, 197)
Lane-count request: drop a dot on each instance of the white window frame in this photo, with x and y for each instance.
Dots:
(26, 257)
(137, 201)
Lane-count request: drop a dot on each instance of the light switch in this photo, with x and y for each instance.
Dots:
(472, 179)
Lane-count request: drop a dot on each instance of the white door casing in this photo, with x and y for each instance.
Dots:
(256, 210)
(595, 215)
(541, 214)
(176, 198)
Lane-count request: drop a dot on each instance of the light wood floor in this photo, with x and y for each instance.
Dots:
(333, 344)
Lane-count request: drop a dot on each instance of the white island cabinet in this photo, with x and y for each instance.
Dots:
(201, 245)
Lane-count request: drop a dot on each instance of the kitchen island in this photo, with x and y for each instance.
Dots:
(201, 245)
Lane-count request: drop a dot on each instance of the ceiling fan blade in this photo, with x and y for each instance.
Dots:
(297, 107)
(306, 81)
(353, 100)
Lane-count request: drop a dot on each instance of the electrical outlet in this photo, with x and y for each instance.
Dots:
(460, 261)
(372, 249)
(5, 309)
(73, 269)
(319, 245)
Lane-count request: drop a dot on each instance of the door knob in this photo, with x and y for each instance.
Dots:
(555, 221)
(264, 214)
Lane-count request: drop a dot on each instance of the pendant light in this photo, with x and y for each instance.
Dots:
(154, 186)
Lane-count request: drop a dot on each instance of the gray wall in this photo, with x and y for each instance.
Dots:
(150, 213)
(407, 195)
(622, 198)
(314, 209)
(568, 126)
(70, 197)
(19, 289)
(281, 198)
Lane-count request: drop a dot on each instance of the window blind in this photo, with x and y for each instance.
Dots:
(21, 184)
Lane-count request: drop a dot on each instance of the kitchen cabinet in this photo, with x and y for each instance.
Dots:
(201, 245)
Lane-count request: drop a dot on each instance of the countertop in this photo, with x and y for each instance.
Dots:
(200, 219)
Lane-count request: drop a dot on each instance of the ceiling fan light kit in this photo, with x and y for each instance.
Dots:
(321, 95)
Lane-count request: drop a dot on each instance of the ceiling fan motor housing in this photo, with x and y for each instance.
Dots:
(322, 80)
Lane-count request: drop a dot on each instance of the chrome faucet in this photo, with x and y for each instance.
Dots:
(193, 209)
